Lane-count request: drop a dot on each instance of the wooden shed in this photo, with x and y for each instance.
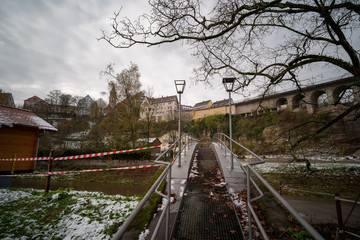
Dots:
(19, 137)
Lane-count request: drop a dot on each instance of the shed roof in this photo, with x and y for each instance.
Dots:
(10, 116)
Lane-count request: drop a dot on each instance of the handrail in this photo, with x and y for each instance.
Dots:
(154, 188)
(251, 211)
(245, 148)
(341, 223)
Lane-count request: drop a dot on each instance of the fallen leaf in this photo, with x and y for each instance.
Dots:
(282, 229)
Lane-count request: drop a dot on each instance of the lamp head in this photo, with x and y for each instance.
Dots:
(180, 86)
(229, 83)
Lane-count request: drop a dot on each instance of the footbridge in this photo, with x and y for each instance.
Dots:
(208, 195)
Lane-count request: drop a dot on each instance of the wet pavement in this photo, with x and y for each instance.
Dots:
(323, 210)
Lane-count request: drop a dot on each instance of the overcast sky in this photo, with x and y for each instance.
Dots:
(52, 45)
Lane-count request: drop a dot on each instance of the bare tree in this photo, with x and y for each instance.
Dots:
(263, 43)
(75, 100)
(148, 110)
(127, 84)
(54, 97)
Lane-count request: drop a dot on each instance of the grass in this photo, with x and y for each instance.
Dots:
(145, 215)
(323, 179)
(61, 214)
(61, 205)
(138, 176)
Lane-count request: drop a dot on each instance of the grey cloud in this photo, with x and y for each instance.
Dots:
(50, 44)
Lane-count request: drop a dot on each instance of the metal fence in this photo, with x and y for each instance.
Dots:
(154, 189)
(250, 171)
(341, 231)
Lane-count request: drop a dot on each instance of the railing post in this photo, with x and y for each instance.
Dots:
(249, 202)
(231, 154)
(222, 141)
(12, 170)
(188, 142)
(339, 214)
(185, 146)
(225, 144)
(47, 185)
(168, 207)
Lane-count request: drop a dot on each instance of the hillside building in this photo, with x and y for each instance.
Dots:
(159, 109)
(6, 99)
(84, 106)
(35, 104)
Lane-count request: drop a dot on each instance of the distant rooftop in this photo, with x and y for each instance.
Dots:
(163, 99)
(11, 117)
(221, 103)
(202, 104)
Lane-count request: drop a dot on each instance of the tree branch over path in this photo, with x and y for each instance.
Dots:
(263, 43)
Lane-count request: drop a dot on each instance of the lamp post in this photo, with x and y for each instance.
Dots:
(180, 86)
(229, 85)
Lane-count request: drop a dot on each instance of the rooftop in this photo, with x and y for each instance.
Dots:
(202, 104)
(221, 103)
(10, 116)
(163, 99)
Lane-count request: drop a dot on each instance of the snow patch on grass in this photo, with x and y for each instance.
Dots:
(61, 215)
(335, 169)
(5, 197)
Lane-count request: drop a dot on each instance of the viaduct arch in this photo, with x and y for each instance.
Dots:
(310, 98)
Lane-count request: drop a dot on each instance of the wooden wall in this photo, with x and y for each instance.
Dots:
(21, 141)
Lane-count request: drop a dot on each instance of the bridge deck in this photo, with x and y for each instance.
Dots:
(207, 211)
(202, 212)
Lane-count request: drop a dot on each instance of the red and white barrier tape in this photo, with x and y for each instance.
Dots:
(80, 156)
(24, 159)
(81, 171)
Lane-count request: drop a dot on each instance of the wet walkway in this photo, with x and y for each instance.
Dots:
(207, 211)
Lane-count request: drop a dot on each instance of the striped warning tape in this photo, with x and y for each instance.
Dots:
(80, 156)
(81, 171)
(24, 159)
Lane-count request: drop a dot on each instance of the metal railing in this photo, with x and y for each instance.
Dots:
(340, 232)
(249, 170)
(154, 188)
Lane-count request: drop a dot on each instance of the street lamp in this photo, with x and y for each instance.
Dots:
(180, 86)
(229, 85)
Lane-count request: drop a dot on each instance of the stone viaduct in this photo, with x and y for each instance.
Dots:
(309, 98)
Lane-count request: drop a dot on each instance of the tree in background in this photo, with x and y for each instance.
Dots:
(65, 102)
(53, 97)
(265, 44)
(148, 110)
(127, 85)
(97, 111)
